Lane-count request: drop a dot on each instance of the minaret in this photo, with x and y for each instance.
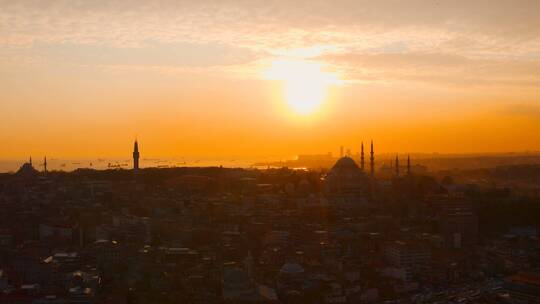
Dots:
(30, 162)
(408, 165)
(372, 161)
(341, 151)
(136, 156)
(397, 166)
(45, 164)
(248, 265)
(362, 157)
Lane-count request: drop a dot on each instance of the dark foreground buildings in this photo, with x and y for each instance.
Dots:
(218, 235)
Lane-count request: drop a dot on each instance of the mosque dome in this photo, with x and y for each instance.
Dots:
(345, 164)
(346, 179)
(346, 168)
(27, 170)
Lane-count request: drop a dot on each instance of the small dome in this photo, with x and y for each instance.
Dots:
(291, 268)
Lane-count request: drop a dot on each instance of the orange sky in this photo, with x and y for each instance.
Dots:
(80, 79)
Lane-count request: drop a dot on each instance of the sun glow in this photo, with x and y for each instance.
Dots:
(305, 83)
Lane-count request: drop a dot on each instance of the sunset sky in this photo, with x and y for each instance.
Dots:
(268, 78)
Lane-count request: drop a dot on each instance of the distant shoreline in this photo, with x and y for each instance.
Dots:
(434, 161)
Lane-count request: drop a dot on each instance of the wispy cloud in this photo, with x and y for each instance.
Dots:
(422, 40)
(149, 54)
(440, 68)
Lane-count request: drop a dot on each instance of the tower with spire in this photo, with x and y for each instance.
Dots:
(136, 155)
(408, 165)
(397, 166)
(372, 161)
(362, 156)
(45, 164)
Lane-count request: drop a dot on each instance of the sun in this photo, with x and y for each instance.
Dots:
(305, 83)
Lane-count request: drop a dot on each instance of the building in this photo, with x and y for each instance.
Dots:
(57, 230)
(458, 224)
(524, 287)
(237, 286)
(408, 257)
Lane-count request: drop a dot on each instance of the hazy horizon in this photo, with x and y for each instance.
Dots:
(56, 163)
(335, 154)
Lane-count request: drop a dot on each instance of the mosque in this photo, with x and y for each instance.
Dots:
(27, 170)
(349, 183)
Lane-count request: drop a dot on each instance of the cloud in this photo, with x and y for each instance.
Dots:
(438, 68)
(150, 54)
(523, 110)
(465, 42)
(252, 21)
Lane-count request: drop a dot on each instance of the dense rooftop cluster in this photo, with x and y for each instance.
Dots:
(217, 235)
